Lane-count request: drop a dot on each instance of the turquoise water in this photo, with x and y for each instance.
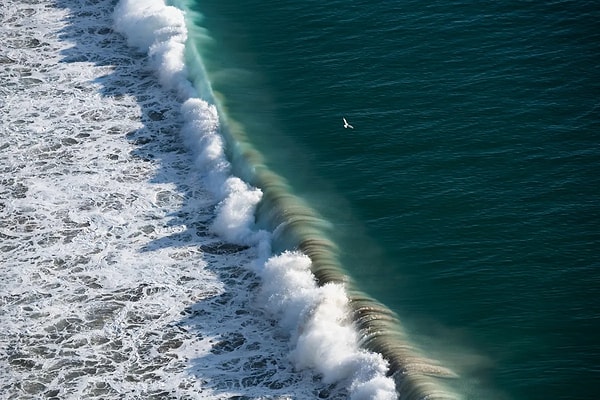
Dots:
(466, 197)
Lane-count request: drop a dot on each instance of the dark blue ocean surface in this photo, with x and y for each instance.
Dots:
(466, 198)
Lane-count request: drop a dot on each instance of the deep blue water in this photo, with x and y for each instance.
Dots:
(466, 198)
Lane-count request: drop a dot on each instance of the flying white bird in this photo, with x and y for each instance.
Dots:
(346, 124)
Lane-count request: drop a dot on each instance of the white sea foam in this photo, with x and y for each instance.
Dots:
(113, 283)
(323, 336)
(159, 30)
(317, 318)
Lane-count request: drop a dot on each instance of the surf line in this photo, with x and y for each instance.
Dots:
(295, 225)
(161, 32)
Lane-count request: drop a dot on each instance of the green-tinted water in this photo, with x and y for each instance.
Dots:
(466, 197)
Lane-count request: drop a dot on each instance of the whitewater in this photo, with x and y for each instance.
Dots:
(131, 263)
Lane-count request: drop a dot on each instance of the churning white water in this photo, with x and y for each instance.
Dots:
(126, 266)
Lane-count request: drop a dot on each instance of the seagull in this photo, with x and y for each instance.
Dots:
(346, 124)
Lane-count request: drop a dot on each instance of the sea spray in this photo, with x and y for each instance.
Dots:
(159, 30)
(319, 316)
(323, 334)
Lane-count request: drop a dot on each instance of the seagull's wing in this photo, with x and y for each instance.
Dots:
(345, 122)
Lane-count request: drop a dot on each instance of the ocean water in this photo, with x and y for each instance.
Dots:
(183, 214)
(465, 198)
(130, 264)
